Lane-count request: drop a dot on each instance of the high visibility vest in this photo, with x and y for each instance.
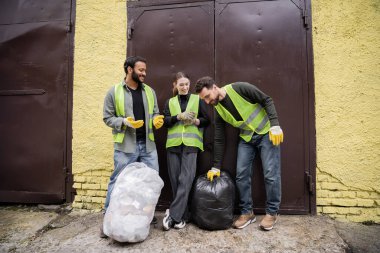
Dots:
(255, 118)
(120, 112)
(179, 134)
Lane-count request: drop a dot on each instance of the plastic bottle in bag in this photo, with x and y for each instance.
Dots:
(133, 202)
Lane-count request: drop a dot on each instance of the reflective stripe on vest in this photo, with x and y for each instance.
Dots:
(179, 134)
(120, 112)
(150, 98)
(255, 118)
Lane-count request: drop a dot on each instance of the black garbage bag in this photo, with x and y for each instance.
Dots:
(212, 205)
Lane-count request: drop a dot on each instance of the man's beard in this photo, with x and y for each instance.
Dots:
(136, 78)
(215, 101)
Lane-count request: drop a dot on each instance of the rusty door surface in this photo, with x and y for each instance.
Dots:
(35, 73)
(173, 38)
(266, 43)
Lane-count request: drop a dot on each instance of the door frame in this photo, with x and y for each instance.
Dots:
(311, 108)
(69, 181)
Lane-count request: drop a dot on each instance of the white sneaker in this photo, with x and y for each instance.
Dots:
(180, 225)
(167, 222)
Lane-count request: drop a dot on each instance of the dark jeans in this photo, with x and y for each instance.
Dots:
(122, 159)
(270, 157)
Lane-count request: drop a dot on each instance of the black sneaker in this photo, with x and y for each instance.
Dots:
(101, 233)
(154, 221)
(167, 222)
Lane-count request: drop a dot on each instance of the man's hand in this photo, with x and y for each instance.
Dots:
(214, 172)
(129, 121)
(158, 121)
(276, 135)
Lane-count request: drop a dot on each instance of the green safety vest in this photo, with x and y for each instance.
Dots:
(255, 118)
(189, 135)
(120, 112)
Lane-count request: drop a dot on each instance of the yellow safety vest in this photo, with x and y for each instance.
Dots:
(120, 112)
(179, 134)
(255, 118)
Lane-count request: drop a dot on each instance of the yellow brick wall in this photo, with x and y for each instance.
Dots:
(99, 54)
(346, 40)
(347, 69)
(346, 202)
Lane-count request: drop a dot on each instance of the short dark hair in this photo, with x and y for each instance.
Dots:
(204, 82)
(131, 61)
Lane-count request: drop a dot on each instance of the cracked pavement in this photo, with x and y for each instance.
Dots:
(60, 229)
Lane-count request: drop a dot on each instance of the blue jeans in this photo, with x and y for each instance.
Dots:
(270, 157)
(122, 159)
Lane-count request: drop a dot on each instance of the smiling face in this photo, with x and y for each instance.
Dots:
(138, 72)
(210, 96)
(183, 85)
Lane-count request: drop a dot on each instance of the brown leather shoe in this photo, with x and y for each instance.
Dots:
(268, 222)
(244, 220)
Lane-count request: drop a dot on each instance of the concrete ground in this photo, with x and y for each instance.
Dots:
(60, 229)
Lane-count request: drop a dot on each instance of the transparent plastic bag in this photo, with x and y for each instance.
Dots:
(133, 201)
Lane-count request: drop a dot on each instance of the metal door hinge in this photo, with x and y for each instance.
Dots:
(69, 180)
(66, 173)
(305, 18)
(69, 27)
(309, 182)
(131, 27)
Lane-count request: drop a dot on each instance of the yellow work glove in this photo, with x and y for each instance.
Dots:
(158, 121)
(276, 135)
(129, 121)
(214, 172)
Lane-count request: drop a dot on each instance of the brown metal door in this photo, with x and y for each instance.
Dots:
(173, 38)
(261, 42)
(34, 93)
(264, 43)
